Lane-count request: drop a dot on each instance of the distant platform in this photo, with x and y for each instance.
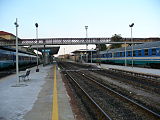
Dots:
(134, 69)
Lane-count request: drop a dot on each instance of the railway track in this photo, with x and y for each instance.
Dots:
(120, 107)
(130, 78)
(93, 108)
(144, 81)
(136, 111)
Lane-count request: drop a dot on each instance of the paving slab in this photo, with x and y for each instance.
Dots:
(33, 100)
(15, 102)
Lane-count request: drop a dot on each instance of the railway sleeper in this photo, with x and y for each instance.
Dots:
(92, 108)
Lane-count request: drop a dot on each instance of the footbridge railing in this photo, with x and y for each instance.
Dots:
(68, 41)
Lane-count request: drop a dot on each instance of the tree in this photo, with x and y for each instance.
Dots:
(101, 47)
(116, 38)
(29, 49)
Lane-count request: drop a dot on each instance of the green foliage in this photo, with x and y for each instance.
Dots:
(116, 38)
(101, 47)
(29, 49)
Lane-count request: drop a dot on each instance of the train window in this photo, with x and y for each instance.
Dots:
(146, 52)
(110, 55)
(102, 56)
(117, 54)
(154, 51)
(1, 58)
(121, 54)
(4, 57)
(124, 54)
(129, 53)
(139, 53)
(134, 53)
(158, 51)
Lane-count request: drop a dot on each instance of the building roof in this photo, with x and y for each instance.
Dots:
(1, 38)
(5, 33)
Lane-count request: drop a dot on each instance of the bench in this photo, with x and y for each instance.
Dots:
(24, 75)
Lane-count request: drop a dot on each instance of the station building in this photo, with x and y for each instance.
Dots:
(83, 55)
(7, 35)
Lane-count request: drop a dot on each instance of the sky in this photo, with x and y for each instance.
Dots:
(67, 18)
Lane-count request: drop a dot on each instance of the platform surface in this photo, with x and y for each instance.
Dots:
(33, 99)
(128, 68)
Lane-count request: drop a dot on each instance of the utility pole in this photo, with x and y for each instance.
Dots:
(36, 24)
(86, 27)
(17, 67)
(132, 41)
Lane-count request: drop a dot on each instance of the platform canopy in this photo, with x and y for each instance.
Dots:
(49, 49)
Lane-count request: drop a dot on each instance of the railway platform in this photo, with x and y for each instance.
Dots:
(149, 71)
(42, 97)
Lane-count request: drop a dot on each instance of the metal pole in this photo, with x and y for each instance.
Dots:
(37, 70)
(17, 69)
(81, 57)
(86, 27)
(86, 31)
(91, 56)
(132, 46)
(64, 54)
(125, 55)
(44, 57)
(132, 41)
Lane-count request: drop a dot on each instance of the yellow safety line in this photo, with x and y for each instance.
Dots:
(55, 99)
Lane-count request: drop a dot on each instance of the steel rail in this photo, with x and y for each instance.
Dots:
(104, 113)
(139, 105)
(124, 97)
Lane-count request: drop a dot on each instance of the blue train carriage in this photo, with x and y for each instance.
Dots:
(143, 54)
(6, 59)
(26, 59)
(94, 56)
(33, 59)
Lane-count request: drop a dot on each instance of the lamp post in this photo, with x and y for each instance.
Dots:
(86, 27)
(125, 54)
(132, 41)
(36, 24)
(91, 55)
(17, 69)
